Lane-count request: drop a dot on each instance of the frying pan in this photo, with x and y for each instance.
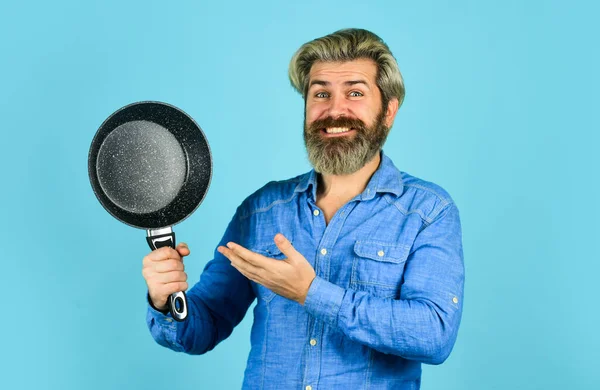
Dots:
(150, 167)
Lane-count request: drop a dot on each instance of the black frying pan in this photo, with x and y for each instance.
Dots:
(150, 167)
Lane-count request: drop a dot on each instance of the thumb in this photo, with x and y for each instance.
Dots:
(183, 249)
(285, 246)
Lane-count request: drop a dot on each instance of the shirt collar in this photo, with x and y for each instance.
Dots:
(387, 178)
(308, 180)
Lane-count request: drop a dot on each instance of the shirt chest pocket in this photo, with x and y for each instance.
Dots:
(268, 250)
(378, 267)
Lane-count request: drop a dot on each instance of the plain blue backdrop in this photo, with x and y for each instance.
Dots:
(500, 110)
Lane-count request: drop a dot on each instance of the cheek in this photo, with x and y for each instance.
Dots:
(358, 108)
(363, 112)
(312, 113)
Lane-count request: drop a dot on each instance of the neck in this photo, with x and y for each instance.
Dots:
(346, 187)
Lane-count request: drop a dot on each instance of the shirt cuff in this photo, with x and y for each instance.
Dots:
(324, 300)
(154, 310)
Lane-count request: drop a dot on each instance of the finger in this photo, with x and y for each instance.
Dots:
(285, 246)
(168, 266)
(171, 288)
(244, 272)
(170, 277)
(183, 249)
(238, 262)
(163, 253)
(253, 258)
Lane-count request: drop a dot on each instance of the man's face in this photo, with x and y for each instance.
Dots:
(344, 122)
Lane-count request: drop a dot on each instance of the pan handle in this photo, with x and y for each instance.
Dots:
(177, 301)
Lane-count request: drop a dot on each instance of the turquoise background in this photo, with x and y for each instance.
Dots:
(501, 111)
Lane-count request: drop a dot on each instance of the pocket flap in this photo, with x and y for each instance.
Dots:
(268, 249)
(382, 251)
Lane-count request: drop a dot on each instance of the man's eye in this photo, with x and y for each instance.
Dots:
(356, 94)
(322, 94)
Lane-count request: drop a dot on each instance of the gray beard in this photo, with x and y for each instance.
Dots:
(343, 155)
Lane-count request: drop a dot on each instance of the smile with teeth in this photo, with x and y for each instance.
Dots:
(336, 130)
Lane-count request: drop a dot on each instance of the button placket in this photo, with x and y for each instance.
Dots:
(330, 234)
(314, 355)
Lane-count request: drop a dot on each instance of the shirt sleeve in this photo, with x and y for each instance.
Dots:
(422, 325)
(216, 304)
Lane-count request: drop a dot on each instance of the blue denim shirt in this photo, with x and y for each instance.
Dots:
(387, 296)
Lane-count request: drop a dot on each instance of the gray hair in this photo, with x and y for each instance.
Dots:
(347, 45)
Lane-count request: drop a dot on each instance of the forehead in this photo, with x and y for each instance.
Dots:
(363, 68)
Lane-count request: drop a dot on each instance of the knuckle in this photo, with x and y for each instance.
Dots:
(175, 276)
(150, 281)
(164, 252)
(162, 277)
(169, 265)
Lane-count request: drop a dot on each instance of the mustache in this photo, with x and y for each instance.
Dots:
(337, 122)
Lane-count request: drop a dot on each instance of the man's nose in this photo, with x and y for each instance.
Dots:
(338, 106)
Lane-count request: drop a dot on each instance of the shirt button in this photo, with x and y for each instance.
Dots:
(169, 320)
(308, 387)
(323, 251)
(313, 342)
(380, 253)
(316, 212)
(455, 300)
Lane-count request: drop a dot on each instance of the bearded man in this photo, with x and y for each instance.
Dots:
(357, 267)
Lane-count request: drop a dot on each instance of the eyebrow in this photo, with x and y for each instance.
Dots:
(326, 83)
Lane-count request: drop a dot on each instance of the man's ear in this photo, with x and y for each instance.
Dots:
(390, 113)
